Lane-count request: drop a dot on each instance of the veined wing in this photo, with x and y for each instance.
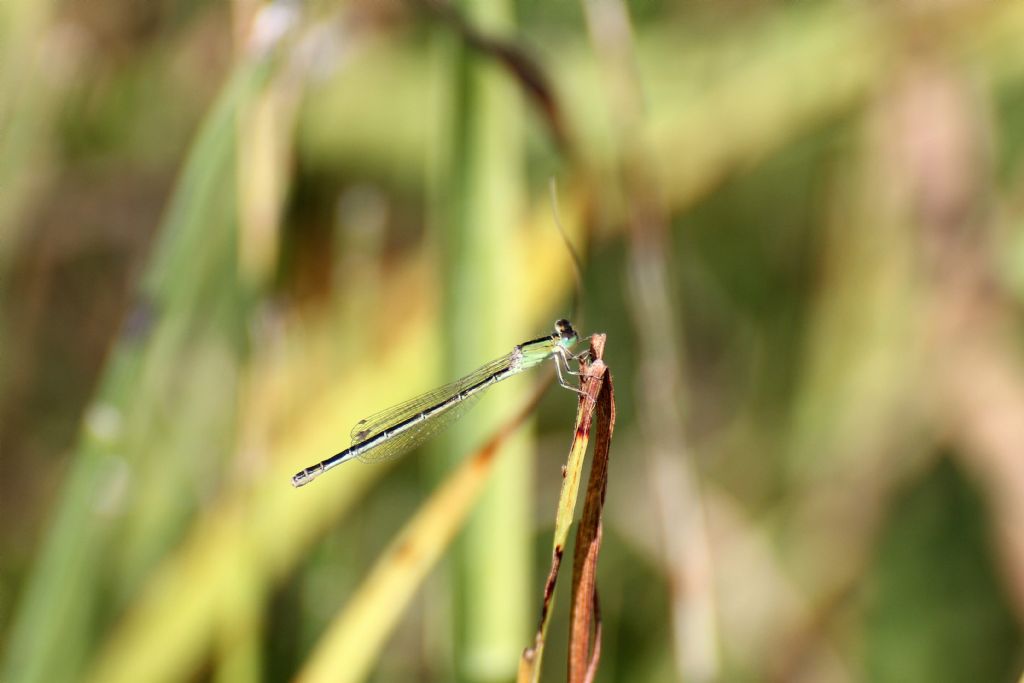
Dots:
(378, 422)
(417, 433)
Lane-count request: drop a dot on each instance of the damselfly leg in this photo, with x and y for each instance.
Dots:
(560, 358)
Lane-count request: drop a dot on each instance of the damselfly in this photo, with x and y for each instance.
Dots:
(391, 432)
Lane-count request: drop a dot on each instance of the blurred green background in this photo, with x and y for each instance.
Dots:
(230, 230)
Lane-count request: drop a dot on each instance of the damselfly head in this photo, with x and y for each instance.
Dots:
(566, 334)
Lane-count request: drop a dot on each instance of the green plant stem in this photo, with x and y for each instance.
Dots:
(482, 201)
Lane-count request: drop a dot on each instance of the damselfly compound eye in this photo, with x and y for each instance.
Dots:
(563, 328)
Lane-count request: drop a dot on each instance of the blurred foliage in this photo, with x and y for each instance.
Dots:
(228, 232)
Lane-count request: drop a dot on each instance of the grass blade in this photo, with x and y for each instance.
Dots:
(592, 376)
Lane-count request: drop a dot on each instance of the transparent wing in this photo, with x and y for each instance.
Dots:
(418, 433)
(378, 422)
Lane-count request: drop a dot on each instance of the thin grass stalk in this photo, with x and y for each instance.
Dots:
(482, 271)
(266, 125)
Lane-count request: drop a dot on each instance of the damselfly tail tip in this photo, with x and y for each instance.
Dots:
(305, 476)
